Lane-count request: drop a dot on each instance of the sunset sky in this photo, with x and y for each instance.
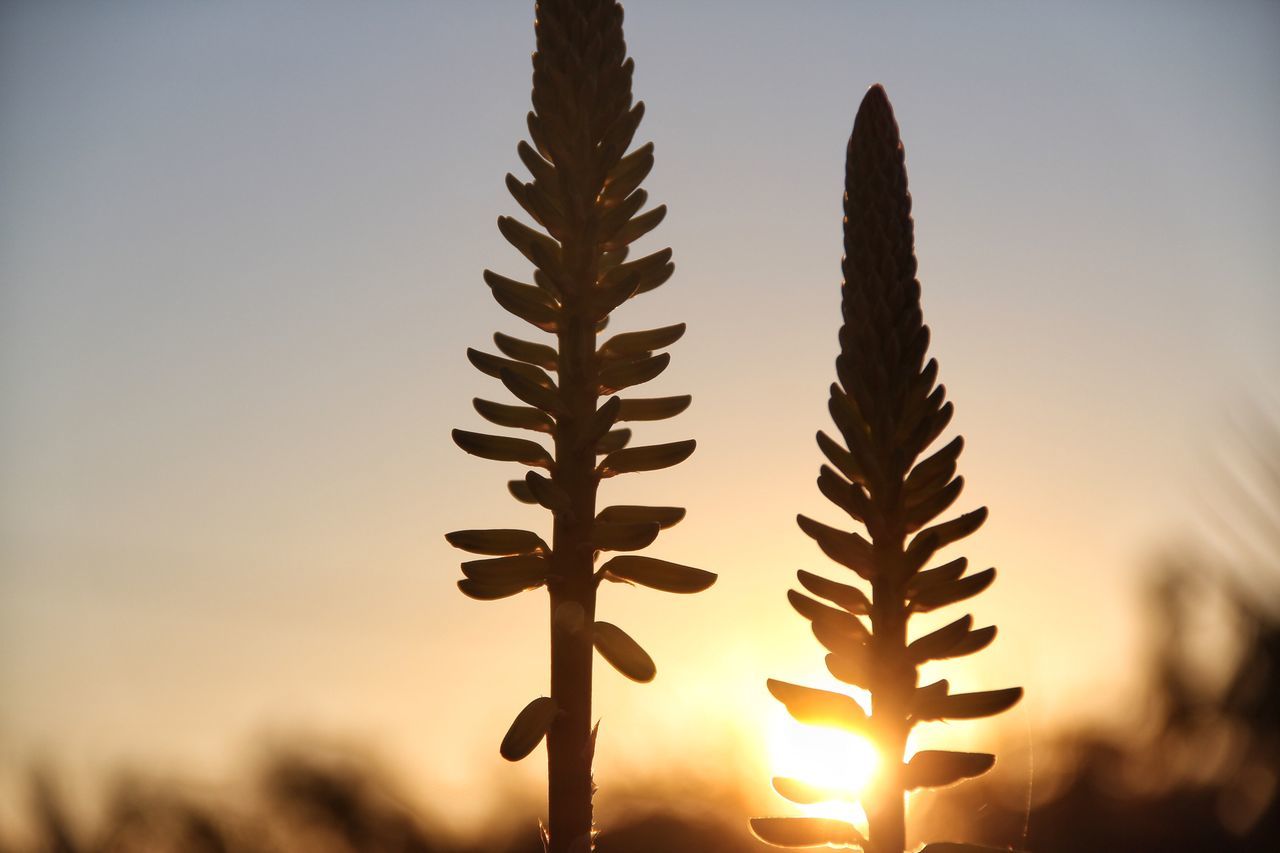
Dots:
(240, 257)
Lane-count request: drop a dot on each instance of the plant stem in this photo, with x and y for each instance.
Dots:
(569, 747)
(585, 198)
(569, 742)
(886, 810)
(893, 680)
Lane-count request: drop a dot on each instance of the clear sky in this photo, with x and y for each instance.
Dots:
(240, 255)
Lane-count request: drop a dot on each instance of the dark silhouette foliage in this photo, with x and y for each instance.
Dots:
(584, 197)
(889, 410)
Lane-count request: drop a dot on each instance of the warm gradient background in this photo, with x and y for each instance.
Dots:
(240, 255)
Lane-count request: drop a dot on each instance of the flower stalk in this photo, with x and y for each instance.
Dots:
(585, 200)
(889, 411)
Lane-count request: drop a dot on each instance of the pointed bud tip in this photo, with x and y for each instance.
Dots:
(874, 124)
(875, 100)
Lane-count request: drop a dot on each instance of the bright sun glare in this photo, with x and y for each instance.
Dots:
(824, 758)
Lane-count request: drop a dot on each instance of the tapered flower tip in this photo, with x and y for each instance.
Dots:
(875, 117)
(875, 109)
(878, 232)
(875, 99)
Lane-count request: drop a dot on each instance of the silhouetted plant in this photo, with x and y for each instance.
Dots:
(889, 410)
(585, 196)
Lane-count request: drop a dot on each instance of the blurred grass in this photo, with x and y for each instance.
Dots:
(1201, 772)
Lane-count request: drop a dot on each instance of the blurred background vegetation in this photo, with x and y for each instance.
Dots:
(1200, 772)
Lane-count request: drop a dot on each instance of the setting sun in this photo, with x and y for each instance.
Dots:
(825, 762)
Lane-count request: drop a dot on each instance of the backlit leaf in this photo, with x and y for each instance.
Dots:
(530, 569)
(527, 302)
(621, 213)
(929, 429)
(653, 408)
(629, 373)
(649, 458)
(941, 535)
(850, 667)
(547, 284)
(529, 728)
(540, 249)
(519, 490)
(618, 135)
(969, 706)
(491, 589)
(934, 768)
(547, 493)
(534, 393)
(630, 172)
(936, 470)
(623, 537)
(807, 832)
(926, 697)
(630, 344)
(636, 228)
(819, 707)
(850, 497)
(855, 433)
(942, 594)
(603, 420)
(659, 574)
(846, 548)
(849, 597)
(937, 644)
(932, 505)
(614, 439)
(493, 365)
(539, 355)
(663, 516)
(974, 641)
(540, 169)
(641, 275)
(832, 617)
(605, 299)
(609, 260)
(517, 417)
(841, 459)
(920, 410)
(842, 638)
(538, 204)
(922, 581)
(623, 653)
(499, 542)
(502, 448)
(806, 794)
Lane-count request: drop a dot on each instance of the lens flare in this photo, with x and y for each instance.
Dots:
(837, 761)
